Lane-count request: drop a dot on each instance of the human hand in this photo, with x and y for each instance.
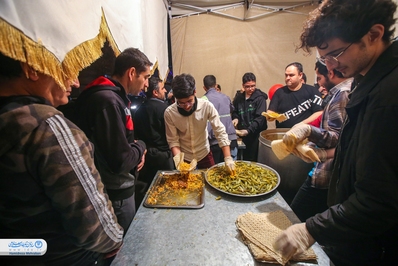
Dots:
(295, 239)
(296, 135)
(230, 165)
(310, 154)
(141, 164)
(235, 122)
(178, 158)
(242, 132)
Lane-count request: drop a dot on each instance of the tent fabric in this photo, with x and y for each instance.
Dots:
(192, 7)
(227, 48)
(59, 38)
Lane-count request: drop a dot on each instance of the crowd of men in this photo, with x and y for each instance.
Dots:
(81, 172)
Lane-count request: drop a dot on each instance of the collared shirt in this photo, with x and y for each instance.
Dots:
(190, 132)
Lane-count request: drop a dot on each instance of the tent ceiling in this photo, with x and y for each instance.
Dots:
(181, 8)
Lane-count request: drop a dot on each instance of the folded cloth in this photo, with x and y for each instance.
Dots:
(259, 231)
(302, 150)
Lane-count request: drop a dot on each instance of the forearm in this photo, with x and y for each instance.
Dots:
(226, 151)
(175, 150)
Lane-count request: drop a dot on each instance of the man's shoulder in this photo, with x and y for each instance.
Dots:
(309, 87)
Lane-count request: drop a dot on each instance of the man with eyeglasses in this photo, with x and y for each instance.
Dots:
(360, 227)
(299, 102)
(247, 117)
(186, 126)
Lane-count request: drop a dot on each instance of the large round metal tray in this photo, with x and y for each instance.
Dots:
(245, 195)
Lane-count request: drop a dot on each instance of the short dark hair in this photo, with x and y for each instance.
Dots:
(298, 65)
(346, 20)
(153, 85)
(209, 81)
(304, 77)
(131, 57)
(323, 70)
(248, 77)
(183, 86)
(9, 68)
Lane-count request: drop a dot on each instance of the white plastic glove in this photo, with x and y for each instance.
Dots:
(296, 135)
(242, 132)
(294, 240)
(230, 165)
(178, 158)
(320, 153)
(235, 122)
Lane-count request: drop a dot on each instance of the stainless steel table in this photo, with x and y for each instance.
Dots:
(206, 236)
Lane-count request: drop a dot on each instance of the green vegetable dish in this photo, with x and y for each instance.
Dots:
(251, 179)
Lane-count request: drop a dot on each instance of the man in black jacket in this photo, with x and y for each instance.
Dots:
(103, 113)
(361, 225)
(150, 127)
(246, 116)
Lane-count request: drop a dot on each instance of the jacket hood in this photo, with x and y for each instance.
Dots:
(256, 93)
(102, 83)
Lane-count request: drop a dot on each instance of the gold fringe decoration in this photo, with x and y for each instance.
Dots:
(16, 45)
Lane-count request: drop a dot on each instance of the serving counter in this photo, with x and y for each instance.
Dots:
(206, 236)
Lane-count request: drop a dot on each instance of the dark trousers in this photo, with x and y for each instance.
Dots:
(251, 151)
(125, 211)
(218, 155)
(309, 201)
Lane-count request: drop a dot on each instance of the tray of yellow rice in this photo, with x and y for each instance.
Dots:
(174, 189)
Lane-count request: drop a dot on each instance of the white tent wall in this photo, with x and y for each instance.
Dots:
(61, 26)
(141, 24)
(227, 48)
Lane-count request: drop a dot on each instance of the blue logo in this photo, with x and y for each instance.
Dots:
(38, 244)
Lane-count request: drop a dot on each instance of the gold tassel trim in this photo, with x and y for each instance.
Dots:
(16, 45)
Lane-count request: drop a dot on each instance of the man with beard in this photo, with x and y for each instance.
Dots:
(360, 227)
(312, 195)
(150, 128)
(299, 102)
(186, 126)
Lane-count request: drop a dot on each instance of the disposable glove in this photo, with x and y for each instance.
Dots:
(310, 154)
(178, 158)
(235, 122)
(294, 240)
(296, 135)
(242, 132)
(230, 165)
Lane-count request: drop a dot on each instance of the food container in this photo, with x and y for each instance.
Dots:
(292, 170)
(252, 179)
(172, 189)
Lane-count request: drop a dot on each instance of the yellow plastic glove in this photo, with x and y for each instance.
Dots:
(235, 122)
(242, 132)
(296, 135)
(230, 165)
(295, 239)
